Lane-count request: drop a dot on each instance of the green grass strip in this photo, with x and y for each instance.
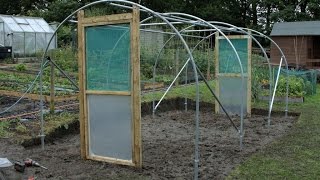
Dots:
(295, 155)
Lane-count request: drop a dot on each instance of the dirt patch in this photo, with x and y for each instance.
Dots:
(168, 149)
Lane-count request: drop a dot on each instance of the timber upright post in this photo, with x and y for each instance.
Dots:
(109, 75)
(81, 89)
(52, 95)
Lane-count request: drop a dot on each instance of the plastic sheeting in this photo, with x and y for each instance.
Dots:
(110, 127)
(230, 94)
(2, 34)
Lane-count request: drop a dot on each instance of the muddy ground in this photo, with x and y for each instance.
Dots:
(168, 149)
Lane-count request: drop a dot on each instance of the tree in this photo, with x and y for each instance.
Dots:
(10, 7)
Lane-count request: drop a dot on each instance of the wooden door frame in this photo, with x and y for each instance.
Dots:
(217, 74)
(134, 20)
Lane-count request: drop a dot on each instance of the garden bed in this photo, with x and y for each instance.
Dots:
(37, 96)
(168, 146)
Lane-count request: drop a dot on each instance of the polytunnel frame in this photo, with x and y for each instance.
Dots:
(244, 32)
(196, 161)
(271, 97)
(203, 22)
(171, 84)
(283, 58)
(45, 61)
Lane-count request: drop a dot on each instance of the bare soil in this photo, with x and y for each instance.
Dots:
(168, 149)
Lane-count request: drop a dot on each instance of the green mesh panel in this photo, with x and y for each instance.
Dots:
(228, 62)
(108, 57)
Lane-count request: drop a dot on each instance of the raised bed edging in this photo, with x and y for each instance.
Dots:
(59, 132)
(146, 109)
(37, 96)
(283, 99)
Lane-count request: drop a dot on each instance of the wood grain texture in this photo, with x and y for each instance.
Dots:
(52, 88)
(216, 76)
(134, 20)
(111, 19)
(36, 96)
(111, 160)
(135, 55)
(248, 74)
(82, 120)
(122, 93)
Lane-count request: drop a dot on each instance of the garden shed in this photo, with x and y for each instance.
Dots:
(299, 41)
(26, 35)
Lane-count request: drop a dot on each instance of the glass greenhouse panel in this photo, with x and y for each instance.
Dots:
(45, 26)
(26, 28)
(26, 35)
(30, 44)
(53, 42)
(2, 35)
(19, 46)
(40, 41)
(8, 20)
(20, 20)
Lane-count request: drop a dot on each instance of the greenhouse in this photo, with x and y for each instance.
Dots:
(26, 35)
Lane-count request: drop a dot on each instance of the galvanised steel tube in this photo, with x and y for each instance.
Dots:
(275, 88)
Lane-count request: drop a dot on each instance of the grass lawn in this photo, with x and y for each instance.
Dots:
(294, 156)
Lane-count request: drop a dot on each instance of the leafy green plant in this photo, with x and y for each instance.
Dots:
(4, 129)
(259, 79)
(66, 58)
(166, 79)
(296, 86)
(8, 60)
(21, 128)
(21, 67)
